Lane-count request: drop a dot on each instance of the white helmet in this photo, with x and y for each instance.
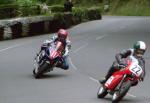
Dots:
(139, 48)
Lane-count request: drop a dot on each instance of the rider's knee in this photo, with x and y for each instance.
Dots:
(65, 67)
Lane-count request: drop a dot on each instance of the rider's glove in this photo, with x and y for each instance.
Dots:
(122, 64)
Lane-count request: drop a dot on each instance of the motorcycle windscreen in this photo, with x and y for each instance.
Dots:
(113, 81)
(53, 54)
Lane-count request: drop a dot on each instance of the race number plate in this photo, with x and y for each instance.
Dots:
(137, 70)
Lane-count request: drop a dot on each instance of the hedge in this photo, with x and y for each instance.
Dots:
(93, 13)
(14, 10)
(7, 11)
(29, 26)
(56, 8)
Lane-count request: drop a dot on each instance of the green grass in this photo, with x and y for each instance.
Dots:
(118, 7)
(130, 7)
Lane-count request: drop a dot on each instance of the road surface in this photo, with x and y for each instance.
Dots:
(94, 45)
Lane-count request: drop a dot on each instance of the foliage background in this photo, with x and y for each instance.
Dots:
(21, 8)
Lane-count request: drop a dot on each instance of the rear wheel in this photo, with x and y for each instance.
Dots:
(118, 95)
(102, 92)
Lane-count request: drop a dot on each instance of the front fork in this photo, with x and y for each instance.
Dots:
(120, 84)
(38, 60)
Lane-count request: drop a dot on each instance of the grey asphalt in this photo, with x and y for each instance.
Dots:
(94, 45)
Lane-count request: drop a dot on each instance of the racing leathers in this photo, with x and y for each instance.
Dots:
(119, 61)
(67, 47)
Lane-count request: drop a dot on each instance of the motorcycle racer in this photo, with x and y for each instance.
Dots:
(138, 51)
(62, 36)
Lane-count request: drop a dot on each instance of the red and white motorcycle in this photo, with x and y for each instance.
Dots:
(120, 82)
(48, 58)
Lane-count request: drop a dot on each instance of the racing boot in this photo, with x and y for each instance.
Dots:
(110, 72)
(104, 79)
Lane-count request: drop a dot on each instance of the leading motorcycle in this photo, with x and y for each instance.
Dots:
(121, 81)
(48, 58)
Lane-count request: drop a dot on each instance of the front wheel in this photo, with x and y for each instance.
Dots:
(118, 95)
(102, 92)
(38, 72)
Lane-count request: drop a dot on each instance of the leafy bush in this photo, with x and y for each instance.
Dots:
(3, 2)
(56, 8)
(94, 13)
(8, 11)
(85, 3)
(28, 7)
(52, 2)
(81, 13)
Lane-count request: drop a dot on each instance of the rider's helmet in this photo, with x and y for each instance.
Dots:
(62, 34)
(139, 48)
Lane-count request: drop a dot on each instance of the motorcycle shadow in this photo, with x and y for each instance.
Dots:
(46, 76)
(124, 100)
(53, 76)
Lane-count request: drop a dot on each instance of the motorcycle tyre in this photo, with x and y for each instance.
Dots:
(41, 70)
(122, 93)
(103, 92)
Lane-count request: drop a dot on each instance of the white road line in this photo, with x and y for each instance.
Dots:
(10, 47)
(14, 46)
(131, 95)
(74, 67)
(101, 37)
(93, 79)
(80, 48)
(75, 51)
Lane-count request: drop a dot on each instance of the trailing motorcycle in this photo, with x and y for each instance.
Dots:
(48, 58)
(121, 81)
